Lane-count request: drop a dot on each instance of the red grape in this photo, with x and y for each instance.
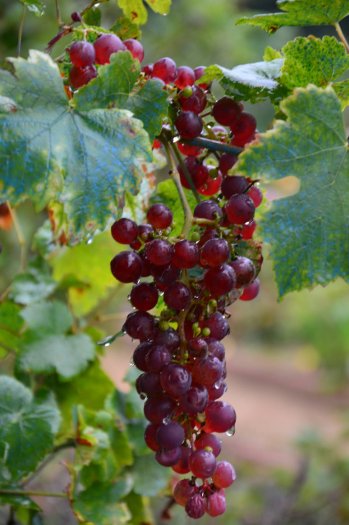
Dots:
(82, 54)
(135, 48)
(189, 125)
(105, 46)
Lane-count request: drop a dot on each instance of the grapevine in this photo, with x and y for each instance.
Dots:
(141, 166)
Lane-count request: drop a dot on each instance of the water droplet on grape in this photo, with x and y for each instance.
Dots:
(166, 420)
(230, 432)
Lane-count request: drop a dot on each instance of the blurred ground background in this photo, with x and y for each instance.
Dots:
(288, 362)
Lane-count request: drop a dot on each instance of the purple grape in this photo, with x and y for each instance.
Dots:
(196, 506)
(175, 380)
(207, 371)
(214, 253)
(140, 325)
(177, 296)
(168, 338)
(194, 400)
(208, 210)
(183, 490)
(168, 457)
(202, 463)
(170, 435)
(220, 417)
(216, 504)
(124, 231)
(157, 358)
(224, 475)
(126, 267)
(159, 252)
(209, 440)
(156, 409)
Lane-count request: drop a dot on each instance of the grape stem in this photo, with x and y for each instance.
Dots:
(66, 29)
(188, 216)
(19, 234)
(58, 14)
(185, 171)
(341, 36)
(214, 145)
(12, 492)
(20, 30)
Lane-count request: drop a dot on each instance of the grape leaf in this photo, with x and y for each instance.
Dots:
(100, 504)
(136, 11)
(35, 6)
(149, 104)
(48, 317)
(108, 450)
(93, 17)
(149, 476)
(91, 264)
(342, 91)
(98, 152)
(125, 29)
(68, 355)
(23, 502)
(159, 6)
(11, 323)
(139, 508)
(247, 81)
(313, 61)
(300, 13)
(33, 285)
(78, 391)
(113, 87)
(27, 427)
(308, 232)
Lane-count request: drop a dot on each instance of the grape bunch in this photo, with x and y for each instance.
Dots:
(183, 284)
(191, 282)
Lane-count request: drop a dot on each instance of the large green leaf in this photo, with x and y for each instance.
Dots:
(89, 263)
(67, 355)
(301, 13)
(247, 81)
(114, 88)
(50, 151)
(308, 232)
(313, 61)
(101, 503)
(27, 428)
(136, 11)
(48, 317)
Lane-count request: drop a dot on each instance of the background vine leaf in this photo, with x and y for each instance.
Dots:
(308, 232)
(136, 11)
(300, 13)
(27, 428)
(313, 61)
